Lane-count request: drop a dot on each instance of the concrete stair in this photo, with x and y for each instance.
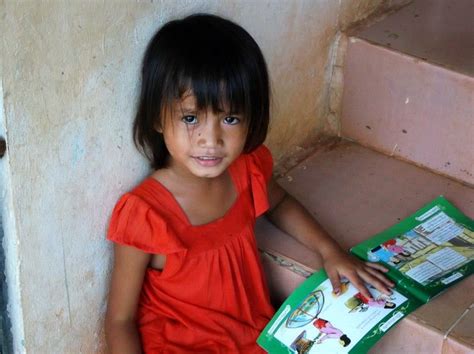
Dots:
(416, 108)
(407, 137)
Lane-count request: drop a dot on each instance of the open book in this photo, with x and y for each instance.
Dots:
(425, 253)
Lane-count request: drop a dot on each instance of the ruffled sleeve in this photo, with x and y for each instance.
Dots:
(260, 164)
(135, 223)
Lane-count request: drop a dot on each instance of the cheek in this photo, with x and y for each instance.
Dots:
(239, 134)
(237, 138)
(177, 138)
(172, 144)
(238, 142)
(243, 137)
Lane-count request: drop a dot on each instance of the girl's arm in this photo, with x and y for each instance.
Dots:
(290, 216)
(127, 278)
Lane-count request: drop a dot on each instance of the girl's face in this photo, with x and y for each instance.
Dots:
(202, 143)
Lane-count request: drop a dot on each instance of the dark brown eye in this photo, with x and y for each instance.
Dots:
(231, 120)
(189, 119)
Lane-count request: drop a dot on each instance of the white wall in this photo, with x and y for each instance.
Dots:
(69, 81)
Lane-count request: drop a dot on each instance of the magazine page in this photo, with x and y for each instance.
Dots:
(427, 252)
(314, 320)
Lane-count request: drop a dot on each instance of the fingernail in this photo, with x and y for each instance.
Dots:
(336, 291)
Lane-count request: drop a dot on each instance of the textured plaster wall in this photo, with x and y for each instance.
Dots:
(69, 83)
(9, 242)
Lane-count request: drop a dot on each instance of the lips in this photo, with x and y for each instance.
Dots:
(208, 161)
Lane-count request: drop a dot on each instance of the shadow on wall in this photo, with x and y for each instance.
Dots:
(6, 340)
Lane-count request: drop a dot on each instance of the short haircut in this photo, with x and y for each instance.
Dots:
(215, 59)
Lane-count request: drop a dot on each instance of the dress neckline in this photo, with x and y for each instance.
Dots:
(184, 216)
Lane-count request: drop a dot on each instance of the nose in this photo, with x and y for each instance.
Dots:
(210, 135)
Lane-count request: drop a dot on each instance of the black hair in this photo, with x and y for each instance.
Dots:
(215, 59)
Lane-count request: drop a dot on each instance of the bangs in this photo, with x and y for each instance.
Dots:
(213, 74)
(218, 94)
(210, 57)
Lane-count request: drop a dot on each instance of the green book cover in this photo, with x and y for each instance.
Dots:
(426, 253)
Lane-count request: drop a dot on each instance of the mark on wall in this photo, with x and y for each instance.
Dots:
(66, 283)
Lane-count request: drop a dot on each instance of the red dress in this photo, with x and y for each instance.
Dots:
(211, 296)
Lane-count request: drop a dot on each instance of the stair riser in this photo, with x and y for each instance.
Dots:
(406, 107)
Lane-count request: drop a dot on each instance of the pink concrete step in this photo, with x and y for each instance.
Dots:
(409, 87)
(355, 192)
(438, 31)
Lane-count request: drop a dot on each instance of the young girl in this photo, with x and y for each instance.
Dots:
(187, 275)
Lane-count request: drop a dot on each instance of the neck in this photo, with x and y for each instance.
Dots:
(182, 180)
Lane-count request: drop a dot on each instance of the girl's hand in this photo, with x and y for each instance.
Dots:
(340, 264)
(291, 217)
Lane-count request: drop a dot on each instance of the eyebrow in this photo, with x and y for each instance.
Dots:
(185, 107)
(186, 94)
(187, 112)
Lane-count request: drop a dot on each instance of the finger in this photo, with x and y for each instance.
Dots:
(360, 285)
(381, 277)
(373, 280)
(335, 281)
(377, 266)
(357, 279)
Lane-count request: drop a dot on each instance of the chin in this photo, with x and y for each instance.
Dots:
(208, 174)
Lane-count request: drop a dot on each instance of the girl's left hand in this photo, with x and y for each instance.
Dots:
(290, 216)
(340, 264)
